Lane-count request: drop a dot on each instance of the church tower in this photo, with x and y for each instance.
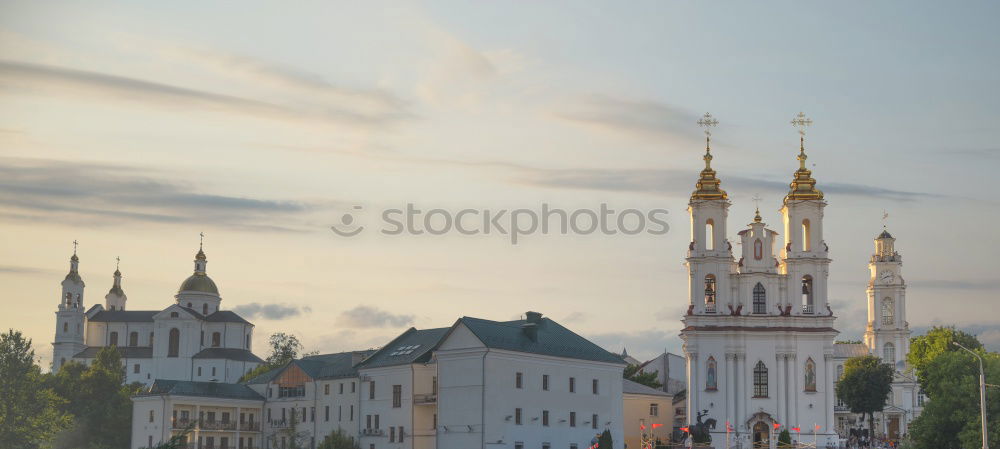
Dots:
(70, 318)
(115, 299)
(888, 333)
(710, 257)
(805, 258)
(198, 292)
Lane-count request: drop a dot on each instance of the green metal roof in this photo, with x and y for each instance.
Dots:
(322, 366)
(204, 389)
(412, 346)
(552, 339)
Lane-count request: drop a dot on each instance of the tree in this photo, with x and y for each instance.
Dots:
(951, 419)
(605, 440)
(925, 348)
(30, 414)
(784, 438)
(865, 385)
(648, 379)
(338, 440)
(284, 349)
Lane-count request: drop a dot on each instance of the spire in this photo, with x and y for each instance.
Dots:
(116, 287)
(74, 266)
(200, 260)
(707, 187)
(803, 186)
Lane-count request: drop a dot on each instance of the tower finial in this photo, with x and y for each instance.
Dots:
(802, 122)
(201, 240)
(74, 247)
(707, 122)
(707, 187)
(803, 186)
(885, 217)
(756, 202)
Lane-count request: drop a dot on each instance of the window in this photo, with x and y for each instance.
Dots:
(518, 380)
(352, 412)
(711, 381)
(248, 341)
(400, 434)
(174, 315)
(759, 299)
(213, 371)
(806, 237)
(133, 339)
(150, 442)
(545, 382)
(572, 419)
(326, 413)
(150, 339)
(593, 386)
(758, 249)
(371, 390)
(199, 371)
(710, 235)
(889, 353)
(572, 385)
(654, 409)
(710, 293)
(392, 434)
(201, 338)
(135, 368)
(340, 413)
(150, 416)
(517, 416)
(312, 414)
(204, 309)
(376, 421)
(593, 421)
(920, 399)
(545, 418)
(326, 389)
(807, 294)
(397, 396)
(760, 380)
(113, 340)
(518, 445)
(368, 421)
(840, 371)
(887, 311)
(216, 339)
(174, 342)
(341, 388)
(352, 387)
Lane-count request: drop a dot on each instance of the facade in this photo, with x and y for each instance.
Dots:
(758, 334)
(648, 414)
(887, 335)
(191, 339)
(670, 369)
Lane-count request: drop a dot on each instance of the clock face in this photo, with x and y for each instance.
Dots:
(887, 276)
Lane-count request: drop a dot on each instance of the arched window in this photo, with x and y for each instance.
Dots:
(174, 343)
(216, 339)
(810, 375)
(113, 341)
(710, 234)
(758, 249)
(711, 381)
(807, 294)
(174, 315)
(889, 354)
(760, 380)
(65, 327)
(710, 293)
(759, 299)
(806, 236)
(204, 309)
(133, 339)
(887, 311)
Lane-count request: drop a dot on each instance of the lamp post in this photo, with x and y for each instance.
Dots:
(982, 392)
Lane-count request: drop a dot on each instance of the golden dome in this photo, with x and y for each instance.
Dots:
(707, 187)
(803, 186)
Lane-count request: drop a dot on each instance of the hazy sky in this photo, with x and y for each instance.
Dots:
(132, 127)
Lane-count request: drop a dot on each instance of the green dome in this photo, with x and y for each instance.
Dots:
(199, 283)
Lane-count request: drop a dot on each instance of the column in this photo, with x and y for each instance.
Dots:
(797, 385)
(239, 426)
(747, 385)
(779, 387)
(828, 384)
(197, 427)
(692, 387)
(730, 386)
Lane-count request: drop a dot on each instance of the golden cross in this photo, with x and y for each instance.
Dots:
(801, 122)
(201, 240)
(756, 201)
(707, 122)
(74, 247)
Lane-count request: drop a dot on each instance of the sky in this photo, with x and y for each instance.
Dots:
(132, 127)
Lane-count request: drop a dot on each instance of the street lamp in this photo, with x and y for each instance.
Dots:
(982, 391)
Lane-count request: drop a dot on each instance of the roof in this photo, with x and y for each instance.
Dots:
(848, 350)
(630, 387)
(128, 352)
(225, 316)
(322, 366)
(553, 339)
(205, 389)
(131, 316)
(241, 355)
(412, 346)
(199, 282)
(266, 376)
(884, 235)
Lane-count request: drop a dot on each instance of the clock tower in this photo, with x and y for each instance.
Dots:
(888, 334)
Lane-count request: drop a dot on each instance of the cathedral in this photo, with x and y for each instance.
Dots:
(759, 335)
(192, 339)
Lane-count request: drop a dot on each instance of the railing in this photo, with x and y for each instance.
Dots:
(218, 425)
(250, 426)
(710, 308)
(841, 408)
(183, 423)
(807, 308)
(424, 399)
(280, 424)
(372, 432)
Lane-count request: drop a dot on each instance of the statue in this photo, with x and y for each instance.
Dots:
(700, 431)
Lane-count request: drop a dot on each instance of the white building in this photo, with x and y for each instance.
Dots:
(758, 334)
(670, 369)
(190, 340)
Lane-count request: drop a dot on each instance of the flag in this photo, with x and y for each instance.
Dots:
(685, 430)
(776, 426)
(796, 429)
(657, 425)
(729, 428)
(817, 427)
(642, 427)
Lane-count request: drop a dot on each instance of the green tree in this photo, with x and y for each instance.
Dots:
(648, 379)
(605, 440)
(338, 440)
(865, 385)
(951, 418)
(925, 348)
(30, 414)
(284, 349)
(784, 438)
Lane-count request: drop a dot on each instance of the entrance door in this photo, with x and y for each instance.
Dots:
(761, 435)
(894, 427)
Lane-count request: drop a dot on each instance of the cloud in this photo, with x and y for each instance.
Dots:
(642, 119)
(270, 311)
(69, 81)
(10, 269)
(641, 344)
(365, 316)
(103, 194)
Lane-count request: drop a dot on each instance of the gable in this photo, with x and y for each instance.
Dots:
(182, 313)
(292, 376)
(461, 338)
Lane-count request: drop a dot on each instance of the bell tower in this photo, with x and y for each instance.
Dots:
(888, 333)
(70, 317)
(115, 299)
(710, 257)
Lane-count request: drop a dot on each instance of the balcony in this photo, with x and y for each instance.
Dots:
(425, 399)
(841, 409)
(181, 424)
(807, 309)
(217, 425)
(250, 426)
(710, 308)
(280, 424)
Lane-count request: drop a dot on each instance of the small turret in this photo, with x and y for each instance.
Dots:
(115, 299)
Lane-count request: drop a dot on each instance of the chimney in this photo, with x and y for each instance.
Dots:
(533, 317)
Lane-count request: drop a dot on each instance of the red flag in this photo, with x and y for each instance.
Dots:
(729, 428)
(776, 426)
(642, 427)
(657, 425)
(817, 426)
(796, 429)
(685, 430)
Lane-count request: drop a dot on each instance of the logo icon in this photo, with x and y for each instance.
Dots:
(346, 228)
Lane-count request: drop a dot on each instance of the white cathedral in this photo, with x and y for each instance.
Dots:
(192, 339)
(759, 333)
